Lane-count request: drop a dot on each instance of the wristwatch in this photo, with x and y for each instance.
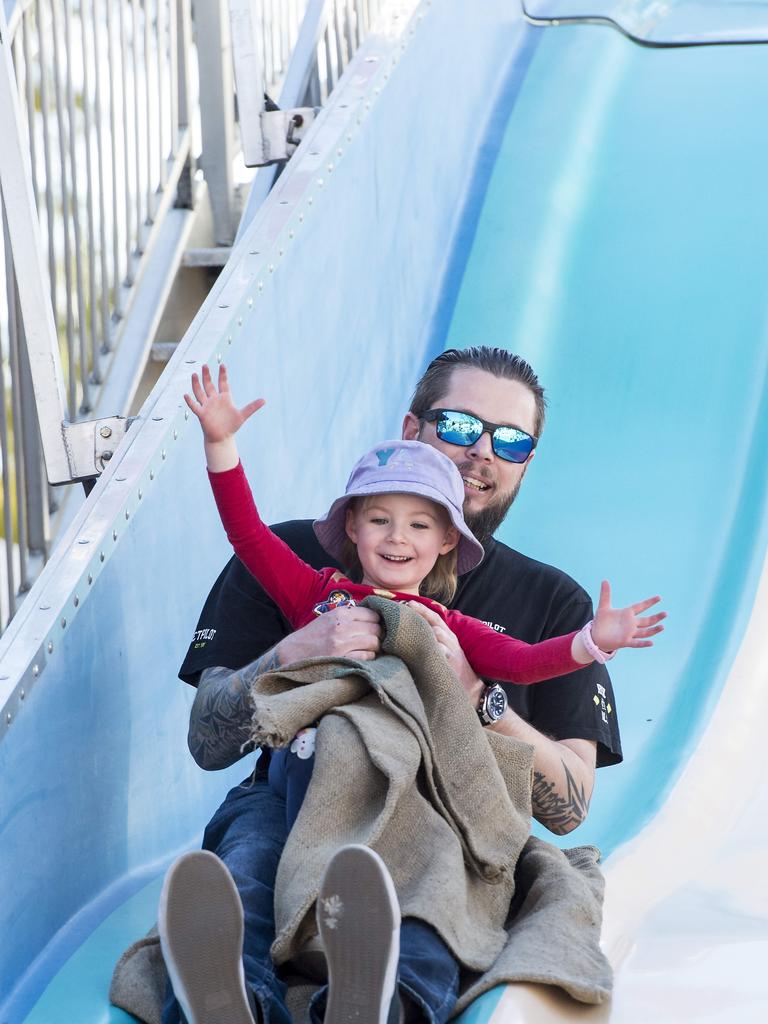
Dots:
(492, 705)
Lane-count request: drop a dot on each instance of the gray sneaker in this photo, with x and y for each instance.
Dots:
(359, 922)
(200, 920)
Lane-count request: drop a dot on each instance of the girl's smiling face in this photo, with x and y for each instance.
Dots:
(399, 538)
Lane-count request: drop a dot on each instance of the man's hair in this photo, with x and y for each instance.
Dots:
(436, 378)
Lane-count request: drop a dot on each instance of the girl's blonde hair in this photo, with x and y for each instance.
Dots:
(440, 583)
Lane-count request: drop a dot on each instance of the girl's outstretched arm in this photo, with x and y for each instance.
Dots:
(614, 628)
(288, 580)
(219, 418)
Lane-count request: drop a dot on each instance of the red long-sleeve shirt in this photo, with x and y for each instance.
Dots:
(297, 589)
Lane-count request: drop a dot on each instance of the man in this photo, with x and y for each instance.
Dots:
(241, 634)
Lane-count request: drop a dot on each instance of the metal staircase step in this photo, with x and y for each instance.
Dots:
(208, 257)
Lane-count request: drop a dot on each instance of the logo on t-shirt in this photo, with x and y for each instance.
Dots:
(494, 625)
(201, 637)
(601, 701)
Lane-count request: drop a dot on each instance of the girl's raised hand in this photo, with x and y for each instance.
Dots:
(614, 628)
(218, 415)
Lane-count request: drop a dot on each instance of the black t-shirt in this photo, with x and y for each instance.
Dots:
(508, 591)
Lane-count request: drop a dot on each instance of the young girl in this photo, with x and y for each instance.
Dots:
(399, 530)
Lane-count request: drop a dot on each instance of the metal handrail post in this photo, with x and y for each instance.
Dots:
(31, 277)
(217, 113)
(184, 100)
(72, 451)
(267, 136)
(36, 497)
(245, 17)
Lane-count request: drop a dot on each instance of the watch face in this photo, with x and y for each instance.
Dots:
(495, 703)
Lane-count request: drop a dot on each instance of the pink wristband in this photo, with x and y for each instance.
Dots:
(592, 649)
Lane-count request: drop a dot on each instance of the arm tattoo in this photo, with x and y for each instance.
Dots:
(220, 720)
(560, 814)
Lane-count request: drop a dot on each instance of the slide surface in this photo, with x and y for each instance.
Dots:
(612, 227)
(620, 245)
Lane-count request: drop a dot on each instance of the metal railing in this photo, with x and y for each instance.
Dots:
(104, 91)
(114, 96)
(104, 88)
(347, 24)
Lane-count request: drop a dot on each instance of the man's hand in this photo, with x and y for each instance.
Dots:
(348, 632)
(449, 644)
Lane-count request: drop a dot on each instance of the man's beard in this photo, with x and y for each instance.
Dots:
(487, 521)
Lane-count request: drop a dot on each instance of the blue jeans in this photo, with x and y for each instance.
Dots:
(248, 833)
(289, 777)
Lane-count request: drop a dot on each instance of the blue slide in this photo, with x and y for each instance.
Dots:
(597, 206)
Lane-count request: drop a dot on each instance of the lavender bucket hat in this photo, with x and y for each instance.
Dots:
(403, 467)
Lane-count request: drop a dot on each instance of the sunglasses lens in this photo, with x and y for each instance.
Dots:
(512, 444)
(458, 428)
(464, 429)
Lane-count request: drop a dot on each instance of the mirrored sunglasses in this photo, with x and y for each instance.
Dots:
(462, 428)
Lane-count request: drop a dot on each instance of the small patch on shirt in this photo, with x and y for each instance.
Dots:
(336, 599)
(602, 703)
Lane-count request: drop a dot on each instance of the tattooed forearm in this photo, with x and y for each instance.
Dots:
(557, 812)
(220, 720)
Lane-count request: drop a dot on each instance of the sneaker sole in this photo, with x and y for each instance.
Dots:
(200, 922)
(358, 917)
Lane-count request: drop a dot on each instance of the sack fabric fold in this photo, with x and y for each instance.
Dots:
(403, 765)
